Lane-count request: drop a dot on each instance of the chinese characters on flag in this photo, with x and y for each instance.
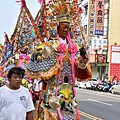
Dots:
(99, 23)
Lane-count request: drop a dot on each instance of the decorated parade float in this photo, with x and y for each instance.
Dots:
(52, 48)
(60, 60)
(17, 50)
(1, 66)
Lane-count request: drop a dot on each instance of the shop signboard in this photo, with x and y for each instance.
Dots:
(99, 18)
(91, 58)
(98, 43)
(91, 18)
(97, 58)
(101, 58)
(115, 61)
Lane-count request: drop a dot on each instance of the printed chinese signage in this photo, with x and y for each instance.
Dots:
(99, 23)
(115, 57)
(97, 58)
(92, 58)
(115, 61)
(99, 43)
(91, 18)
(101, 58)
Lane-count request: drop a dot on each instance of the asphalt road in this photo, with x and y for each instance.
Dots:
(95, 105)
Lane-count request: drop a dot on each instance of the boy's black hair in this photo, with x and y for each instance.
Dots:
(16, 70)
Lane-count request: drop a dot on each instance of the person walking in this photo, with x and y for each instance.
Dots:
(15, 100)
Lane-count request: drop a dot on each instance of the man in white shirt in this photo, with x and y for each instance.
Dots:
(15, 100)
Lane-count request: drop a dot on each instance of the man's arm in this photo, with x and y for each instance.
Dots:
(30, 116)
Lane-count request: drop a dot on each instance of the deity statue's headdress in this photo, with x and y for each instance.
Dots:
(62, 10)
(56, 11)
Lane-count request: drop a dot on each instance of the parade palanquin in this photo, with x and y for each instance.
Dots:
(56, 54)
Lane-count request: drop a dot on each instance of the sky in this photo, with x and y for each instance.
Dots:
(9, 12)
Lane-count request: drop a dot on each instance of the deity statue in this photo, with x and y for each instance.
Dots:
(58, 62)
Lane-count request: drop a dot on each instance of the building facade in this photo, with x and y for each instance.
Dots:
(97, 37)
(114, 38)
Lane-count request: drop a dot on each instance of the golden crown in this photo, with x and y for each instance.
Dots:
(63, 10)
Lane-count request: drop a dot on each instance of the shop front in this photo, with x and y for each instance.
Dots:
(99, 66)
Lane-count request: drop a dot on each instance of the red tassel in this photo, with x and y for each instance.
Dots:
(23, 3)
(115, 44)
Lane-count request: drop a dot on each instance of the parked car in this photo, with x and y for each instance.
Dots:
(84, 84)
(115, 89)
(87, 84)
(93, 84)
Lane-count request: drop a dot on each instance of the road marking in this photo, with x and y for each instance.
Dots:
(100, 102)
(100, 94)
(89, 116)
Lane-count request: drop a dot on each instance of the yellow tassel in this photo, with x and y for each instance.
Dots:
(37, 111)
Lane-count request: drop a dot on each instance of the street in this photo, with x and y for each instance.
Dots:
(95, 105)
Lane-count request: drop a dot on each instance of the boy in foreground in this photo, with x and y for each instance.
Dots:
(15, 100)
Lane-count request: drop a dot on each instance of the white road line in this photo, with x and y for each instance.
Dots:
(100, 102)
(100, 94)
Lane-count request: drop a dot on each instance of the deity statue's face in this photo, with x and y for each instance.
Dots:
(63, 29)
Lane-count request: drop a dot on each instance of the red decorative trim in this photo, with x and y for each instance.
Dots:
(23, 3)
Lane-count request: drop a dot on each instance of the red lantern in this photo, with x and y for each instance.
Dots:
(115, 43)
(107, 46)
